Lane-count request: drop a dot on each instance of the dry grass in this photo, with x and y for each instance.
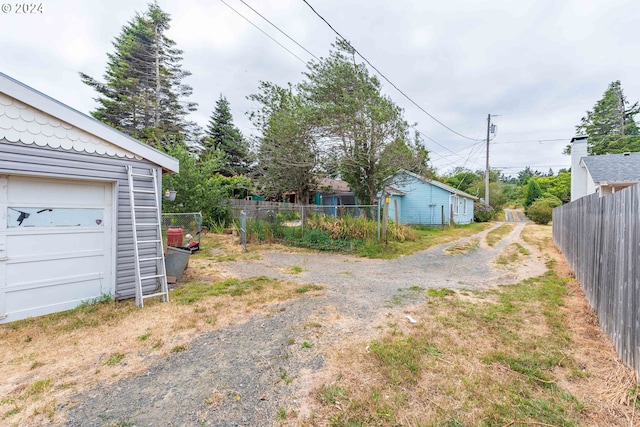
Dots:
(46, 360)
(526, 354)
(463, 248)
(497, 234)
(512, 254)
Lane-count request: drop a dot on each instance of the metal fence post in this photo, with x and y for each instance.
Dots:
(302, 220)
(243, 229)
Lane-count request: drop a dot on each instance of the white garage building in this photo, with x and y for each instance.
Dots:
(66, 233)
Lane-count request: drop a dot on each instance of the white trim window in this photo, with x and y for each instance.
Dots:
(456, 205)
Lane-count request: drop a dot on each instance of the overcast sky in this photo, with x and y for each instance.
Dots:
(538, 65)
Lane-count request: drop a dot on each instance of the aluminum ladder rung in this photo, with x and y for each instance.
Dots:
(154, 276)
(161, 272)
(157, 294)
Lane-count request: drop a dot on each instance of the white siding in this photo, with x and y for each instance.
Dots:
(21, 159)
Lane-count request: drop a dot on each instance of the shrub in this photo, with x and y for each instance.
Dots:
(552, 200)
(540, 211)
(482, 212)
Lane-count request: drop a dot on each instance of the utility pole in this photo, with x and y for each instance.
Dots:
(486, 173)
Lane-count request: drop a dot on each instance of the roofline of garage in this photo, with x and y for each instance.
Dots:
(53, 107)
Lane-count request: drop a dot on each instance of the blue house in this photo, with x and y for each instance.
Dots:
(417, 200)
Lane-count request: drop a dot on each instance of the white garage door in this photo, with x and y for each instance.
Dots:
(55, 245)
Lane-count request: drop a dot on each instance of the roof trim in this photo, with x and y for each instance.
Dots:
(57, 109)
(436, 184)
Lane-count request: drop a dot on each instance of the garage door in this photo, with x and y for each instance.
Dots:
(55, 245)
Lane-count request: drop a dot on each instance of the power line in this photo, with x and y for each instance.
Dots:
(263, 32)
(385, 77)
(277, 28)
(531, 166)
(528, 141)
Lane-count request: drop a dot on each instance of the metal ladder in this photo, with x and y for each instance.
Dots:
(155, 262)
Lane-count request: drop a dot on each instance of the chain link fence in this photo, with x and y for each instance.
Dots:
(271, 221)
(190, 223)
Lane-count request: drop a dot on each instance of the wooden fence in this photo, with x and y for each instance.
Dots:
(600, 238)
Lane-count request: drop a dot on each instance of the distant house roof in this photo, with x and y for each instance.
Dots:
(334, 185)
(63, 112)
(437, 184)
(614, 167)
(393, 191)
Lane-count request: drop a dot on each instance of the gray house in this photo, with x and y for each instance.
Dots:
(66, 233)
(603, 174)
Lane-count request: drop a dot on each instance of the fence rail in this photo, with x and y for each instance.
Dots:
(600, 238)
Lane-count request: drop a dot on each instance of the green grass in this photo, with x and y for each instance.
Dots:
(356, 236)
(497, 234)
(307, 288)
(37, 388)
(440, 292)
(307, 344)
(330, 394)
(512, 253)
(193, 292)
(179, 348)
(114, 359)
(284, 376)
(402, 358)
(295, 269)
(479, 357)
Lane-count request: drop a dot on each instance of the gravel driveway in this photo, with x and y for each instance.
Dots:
(243, 374)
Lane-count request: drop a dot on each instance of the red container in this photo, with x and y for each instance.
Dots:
(174, 237)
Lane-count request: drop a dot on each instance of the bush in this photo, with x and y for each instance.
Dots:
(540, 211)
(552, 200)
(482, 212)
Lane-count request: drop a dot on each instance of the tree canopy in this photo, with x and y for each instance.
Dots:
(610, 126)
(363, 128)
(143, 93)
(223, 135)
(287, 150)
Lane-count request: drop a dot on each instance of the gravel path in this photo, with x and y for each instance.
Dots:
(243, 374)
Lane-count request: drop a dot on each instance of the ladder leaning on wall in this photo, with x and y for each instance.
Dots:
(157, 281)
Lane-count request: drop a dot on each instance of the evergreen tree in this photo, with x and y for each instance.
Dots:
(223, 135)
(286, 153)
(533, 193)
(610, 127)
(143, 90)
(365, 127)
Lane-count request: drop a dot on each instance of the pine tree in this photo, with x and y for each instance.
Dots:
(223, 135)
(143, 90)
(287, 151)
(610, 127)
(533, 193)
(366, 128)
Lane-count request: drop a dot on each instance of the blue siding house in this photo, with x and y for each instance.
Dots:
(419, 200)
